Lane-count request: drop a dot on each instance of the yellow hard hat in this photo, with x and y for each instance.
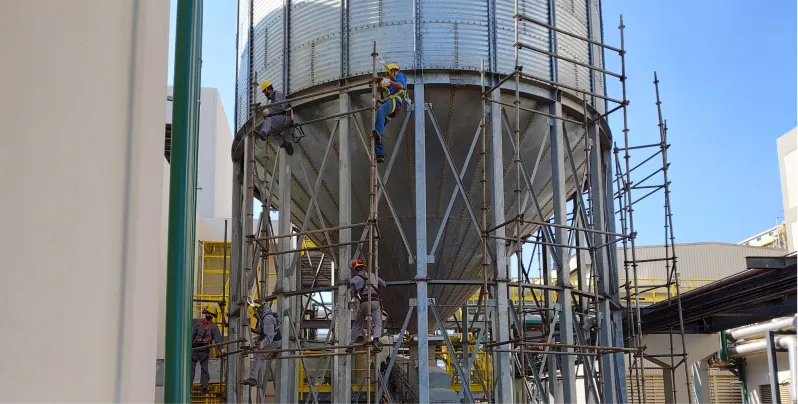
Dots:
(265, 85)
(392, 66)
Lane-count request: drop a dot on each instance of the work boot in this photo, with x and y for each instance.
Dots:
(289, 148)
(358, 340)
(250, 382)
(204, 389)
(380, 159)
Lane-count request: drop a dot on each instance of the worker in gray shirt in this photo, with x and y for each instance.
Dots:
(358, 285)
(204, 332)
(268, 330)
(277, 118)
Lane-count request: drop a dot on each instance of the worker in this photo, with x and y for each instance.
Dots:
(205, 333)
(358, 285)
(268, 330)
(397, 85)
(277, 118)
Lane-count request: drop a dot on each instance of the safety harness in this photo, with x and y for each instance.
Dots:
(375, 297)
(196, 340)
(296, 131)
(396, 99)
(277, 335)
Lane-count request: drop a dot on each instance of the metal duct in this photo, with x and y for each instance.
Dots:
(779, 324)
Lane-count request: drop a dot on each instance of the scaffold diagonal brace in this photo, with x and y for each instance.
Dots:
(454, 194)
(452, 167)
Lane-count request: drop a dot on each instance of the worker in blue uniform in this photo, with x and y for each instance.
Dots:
(397, 87)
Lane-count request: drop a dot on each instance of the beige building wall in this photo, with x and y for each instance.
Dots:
(787, 147)
(82, 123)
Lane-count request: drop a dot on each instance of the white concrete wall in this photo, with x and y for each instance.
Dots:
(206, 157)
(699, 347)
(161, 352)
(214, 164)
(82, 124)
(223, 163)
(757, 373)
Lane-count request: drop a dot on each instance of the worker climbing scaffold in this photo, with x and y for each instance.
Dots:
(277, 118)
(269, 337)
(397, 92)
(357, 288)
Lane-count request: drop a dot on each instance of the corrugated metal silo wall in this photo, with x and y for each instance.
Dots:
(454, 37)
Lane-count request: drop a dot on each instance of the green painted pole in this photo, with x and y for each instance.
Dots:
(182, 201)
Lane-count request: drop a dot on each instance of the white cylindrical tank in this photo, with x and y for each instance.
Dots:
(82, 123)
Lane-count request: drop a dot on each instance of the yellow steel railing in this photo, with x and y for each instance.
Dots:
(481, 370)
(651, 291)
(214, 395)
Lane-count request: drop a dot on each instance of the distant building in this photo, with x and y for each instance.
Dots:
(788, 170)
(774, 237)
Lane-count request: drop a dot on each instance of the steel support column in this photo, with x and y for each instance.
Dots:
(503, 373)
(287, 391)
(420, 164)
(668, 380)
(342, 364)
(773, 367)
(606, 335)
(567, 369)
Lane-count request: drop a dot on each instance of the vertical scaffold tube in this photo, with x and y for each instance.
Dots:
(629, 202)
(372, 219)
(182, 201)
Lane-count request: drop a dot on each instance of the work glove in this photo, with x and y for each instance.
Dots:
(385, 82)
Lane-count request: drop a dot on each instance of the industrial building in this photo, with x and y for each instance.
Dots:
(501, 151)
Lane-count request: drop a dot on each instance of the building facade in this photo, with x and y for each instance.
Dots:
(774, 237)
(788, 171)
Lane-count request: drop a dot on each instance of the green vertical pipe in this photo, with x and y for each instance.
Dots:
(743, 377)
(182, 201)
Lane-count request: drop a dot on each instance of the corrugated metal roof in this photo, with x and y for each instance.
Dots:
(710, 260)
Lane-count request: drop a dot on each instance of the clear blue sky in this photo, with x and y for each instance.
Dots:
(728, 85)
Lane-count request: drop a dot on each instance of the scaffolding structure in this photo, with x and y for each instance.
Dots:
(666, 361)
(582, 321)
